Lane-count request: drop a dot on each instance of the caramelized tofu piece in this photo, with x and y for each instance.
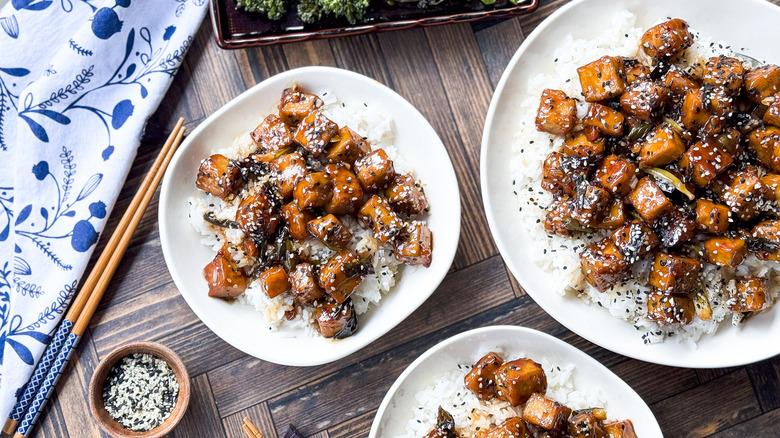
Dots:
(258, 215)
(635, 71)
(745, 194)
(674, 274)
(347, 192)
(314, 132)
(303, 283)
(711, 217)
(377, 215)
(615, 216)
(767, 236)
(297, 220)
(406, 196)
(729, 140)
(224, 278)
(620, 429)
(644, 99)
(669, 309)
(719, 101)
(678, 82)
(751, 295)
(218, 176)
(771, 182)
(414, 244)
(375, 170)
(726, 72)
(578, 145)
(336, 320)
(289, 170)
(557, 112)
(560, 215)
(605, 119)
(664, 40)
(348, 148)
(250, 247)
(273, 281)
(314, 190)
(772, 114)
(330, 231)
(663, 146)
(545, 413)
(338, 276)
(704, 161)
(762, 82)
(296, 105)
(634, 239)
(725, 252)
(675, 227)
(603, 78)
(694, 115)
(648, 199)
(617, 175)
(481, 379)
(586, 424)
(517, 380)
(560, 173)
(591, 203)
(272, 134)
(765, 143)
(513, 427)
(603, 265)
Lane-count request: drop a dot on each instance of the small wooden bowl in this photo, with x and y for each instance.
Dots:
(104, 419)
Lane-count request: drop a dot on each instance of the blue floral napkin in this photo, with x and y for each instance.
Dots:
(78, 80)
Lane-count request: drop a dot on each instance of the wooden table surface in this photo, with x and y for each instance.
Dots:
(448, 73)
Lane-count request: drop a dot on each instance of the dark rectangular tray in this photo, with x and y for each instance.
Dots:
(235, 29)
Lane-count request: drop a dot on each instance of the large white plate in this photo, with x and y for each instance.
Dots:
(740, 23)
(240, 325)
(466, 348)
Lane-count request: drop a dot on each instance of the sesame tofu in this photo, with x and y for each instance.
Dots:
(603, 265)
(517, 380)
(767, 237)
(481, 379)
(675, 227)
(704, 161)
(744, 195)
(258, 215)
(635, 71)
(273, 281)
(272, 134)
(724, 251)
(337, 276)
(603, 78)
(297, 220)
(620, 429)
(750, 295)
(578, 145)
(772, 183)
(377, 215)
(330, 231)
(413, 245)
(349, 147)
(618, 175)
(591, 203)
(762, 82)
(315, 131)
(303, 284)
(289, 170)
(295, 105)
(674, 274)
(587, 424)
(644, 99)
(557, 113)
(669, 309)
(218, 176)
(513, 427)
(772, 114)
(664, 40)
(649, 200)
(605, 119)
(561, 172)
(662, 146)
(314, 190)
(765, 143)
(224, 278)
(559, 217)
(336, 320)
(347, 193)
(693, 113)
(546, 413)
(726, 72)
(678, 82)
(634, 239)
(406, 195)
(375, 170)
(712, 217)
(614, 217)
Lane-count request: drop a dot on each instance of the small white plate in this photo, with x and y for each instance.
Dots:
(466, 348)
(240, 325)
(740, 24)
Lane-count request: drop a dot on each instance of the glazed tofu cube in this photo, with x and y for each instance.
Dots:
(297, 220)
(295, 105)
(750, 295)
(377, 215)
(605, 119)
(481, 379)
(719, 101)
(635, 71)
(602, 79)
(725, 252)
(772, 183)
(591, 203)
(704, 161)
(336, 320)
(693, 113)
(644, 99)
(772, 114)
(330, 231)
(674, 274)
(669, 309)
(767, 234)
(634, 239)
(250, 247)
(663, 146)
(375, 170)
(314, 190)
(603, 265)
(587, 424)
(272, 134)
(348, 148)
(258, 215)
(347, 194)
(664, 40)
(224, 278)
(649, 200)
(273, 281)
(620, 429)
(578, 145)
(675, 227)
(517, 380)
(218, 176)
(726, 72)
(765, 143)
(560, 173)
(560, 216)
(512, 427)
(745, 194)
(303, 284)
(314, 132)
(615, 216)
(289, 170)
(338, 276)
(406, 195)
(414, 244)
(617, 175)
(712, 217)
(557, 112)
(545, 413)
(729, 140)
(762, 82)
(678, 82)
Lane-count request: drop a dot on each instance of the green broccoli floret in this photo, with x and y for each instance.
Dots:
(354, 11)
(309, 11)
(275, 9)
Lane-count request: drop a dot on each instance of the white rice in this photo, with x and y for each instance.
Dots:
(377, 128)
(560, 255)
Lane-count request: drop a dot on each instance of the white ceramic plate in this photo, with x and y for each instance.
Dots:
(466, 348)
(741, 24)
(240, 325)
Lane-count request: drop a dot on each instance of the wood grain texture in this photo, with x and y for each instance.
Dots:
(449, 74)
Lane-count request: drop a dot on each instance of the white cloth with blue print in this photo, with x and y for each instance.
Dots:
(78, 80)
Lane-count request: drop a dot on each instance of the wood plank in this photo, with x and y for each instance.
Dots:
(361, 53)
(644, 379)
(516, 288)
(764, 426)
(317, 52)
(705, 375)
(201, 418)
(604, 356)
(765, 377)
(200, 349)
(51, 423)
(264, 62)
(497, 44)
(356, 427)
(258, 414)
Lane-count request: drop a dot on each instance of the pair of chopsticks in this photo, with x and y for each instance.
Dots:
(250, 429)
(63, 343)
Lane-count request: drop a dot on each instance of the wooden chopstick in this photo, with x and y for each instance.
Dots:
(92, 291)
(250, 429)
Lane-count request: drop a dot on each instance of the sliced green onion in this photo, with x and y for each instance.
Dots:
(573, 225)
(639, 130)
(670, 178)
(703, 308)
(488, 2)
